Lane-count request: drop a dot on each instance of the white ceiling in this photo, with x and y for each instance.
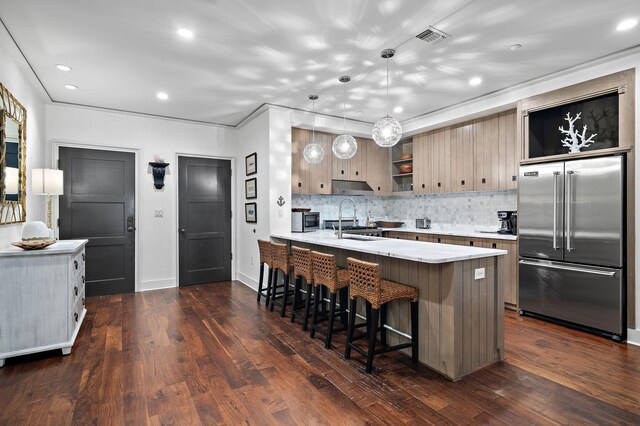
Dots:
(249, 52)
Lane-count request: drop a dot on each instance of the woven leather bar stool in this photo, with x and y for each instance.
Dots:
(265, 259)
(365, 282)
(281, 262)
(327, 274)
(302, 269)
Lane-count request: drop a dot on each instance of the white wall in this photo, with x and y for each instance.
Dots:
(20, 81)
(156, 237)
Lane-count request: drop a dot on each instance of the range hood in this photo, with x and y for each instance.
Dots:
(350, 187)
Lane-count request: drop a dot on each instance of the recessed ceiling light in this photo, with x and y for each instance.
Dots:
(185, 33)
(475, 81)
(515, 47)
(398, 109)
(63, 67)
(71, 86)
(162, 96)
(627, 24)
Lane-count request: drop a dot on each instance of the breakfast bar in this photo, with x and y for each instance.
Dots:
(461, 302)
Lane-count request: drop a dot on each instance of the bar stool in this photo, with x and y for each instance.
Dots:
(365, 282)
(301, 259)
(335, 280)
(265, 259)
(281, 261)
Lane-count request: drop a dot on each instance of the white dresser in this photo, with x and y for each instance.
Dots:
(41, 298)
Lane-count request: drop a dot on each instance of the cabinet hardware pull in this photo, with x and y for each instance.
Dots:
(438, 239)
(83, 279)
(438, 184)
(462, 182)
(378, 188)
(341, 172)
(83, 301)
(484, 180)
(322, 185)
(75, 290)
(513, 178)
(299, 184)
(357, 173)
(423, 185)
(83, 257)
(493, 245)
(471, 243)
(75, 264)
(75, 316)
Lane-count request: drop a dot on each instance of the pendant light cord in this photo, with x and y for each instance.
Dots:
(313, 135)
(387, 86)
(344, 107)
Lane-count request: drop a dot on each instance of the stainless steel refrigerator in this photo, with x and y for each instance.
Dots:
(571, 219)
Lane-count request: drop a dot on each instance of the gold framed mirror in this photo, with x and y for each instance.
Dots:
(13, 151)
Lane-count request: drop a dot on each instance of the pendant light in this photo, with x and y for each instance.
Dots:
(313, 152)
(345, 145)
(387, 130)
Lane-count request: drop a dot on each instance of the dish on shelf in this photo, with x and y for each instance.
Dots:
(33, 244)
(405, 168)
(406, 156)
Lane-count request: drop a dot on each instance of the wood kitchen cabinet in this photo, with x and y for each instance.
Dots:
(441, 160)
(422, 163)
(299, 167)
(496, 152)
(379, 169)
(355, 168)
(462, 154)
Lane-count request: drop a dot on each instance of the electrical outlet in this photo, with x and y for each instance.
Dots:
(479, 273)
(159, 213)
(280, 213)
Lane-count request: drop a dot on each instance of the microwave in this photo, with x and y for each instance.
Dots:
(305, 221)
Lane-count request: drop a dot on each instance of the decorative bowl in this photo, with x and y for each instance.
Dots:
(406, 168)
(33, 244)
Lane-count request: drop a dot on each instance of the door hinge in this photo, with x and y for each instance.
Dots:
(231, 256)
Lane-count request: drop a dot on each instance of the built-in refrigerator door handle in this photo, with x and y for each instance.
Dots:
(555, 209)
(568, 268)
(568, 220)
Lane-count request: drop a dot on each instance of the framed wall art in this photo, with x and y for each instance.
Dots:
(251, 164)
(250, 188)
(250, 212)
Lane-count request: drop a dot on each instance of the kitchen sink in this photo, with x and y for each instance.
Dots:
(359, 237)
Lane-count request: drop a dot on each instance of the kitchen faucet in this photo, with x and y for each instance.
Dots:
(340, 214)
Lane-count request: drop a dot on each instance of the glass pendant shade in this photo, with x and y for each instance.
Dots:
(387, 131)
(313, 153)
(344, 146)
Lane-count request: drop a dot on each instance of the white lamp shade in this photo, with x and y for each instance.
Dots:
(46, 182)
(11, 180)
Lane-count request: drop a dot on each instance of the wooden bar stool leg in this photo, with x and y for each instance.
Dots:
(307, 307)
(316, 307)
(344, 297)
(285, 295)
(296, 298)
(414, 331)
(260, 281)
(383, 321)
(274, 286)
(373, 331)
(269, 280)
(332, 314)
(351, 327)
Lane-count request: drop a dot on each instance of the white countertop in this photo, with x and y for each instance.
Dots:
(59, 247)
(458, 232)
(417, 251)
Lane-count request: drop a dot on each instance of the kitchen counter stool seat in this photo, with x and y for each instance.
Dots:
(365, 282)
(326, 274)
(265, 259)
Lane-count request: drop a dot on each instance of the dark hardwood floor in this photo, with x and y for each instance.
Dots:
(209, 355)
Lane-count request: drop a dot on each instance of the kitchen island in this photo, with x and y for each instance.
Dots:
(461, 294)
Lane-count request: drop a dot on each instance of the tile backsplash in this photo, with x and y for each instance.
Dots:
(472, 210)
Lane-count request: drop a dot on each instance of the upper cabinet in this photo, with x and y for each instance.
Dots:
(371, 164)
(496, 153)
(462, 153)
(422, 163)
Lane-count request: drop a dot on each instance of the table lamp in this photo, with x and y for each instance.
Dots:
(47, 182)
(11, 180)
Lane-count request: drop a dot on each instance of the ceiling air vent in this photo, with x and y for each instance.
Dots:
(433, 35)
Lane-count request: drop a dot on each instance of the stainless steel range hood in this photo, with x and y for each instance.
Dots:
(350, 187)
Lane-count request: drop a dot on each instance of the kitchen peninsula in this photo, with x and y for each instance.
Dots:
(461, 294)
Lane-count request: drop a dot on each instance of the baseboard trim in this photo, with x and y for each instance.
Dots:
(157, 284)
(633, 336)
(248, 281)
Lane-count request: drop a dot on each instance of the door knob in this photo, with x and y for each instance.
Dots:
(130, 228)
(182, 230)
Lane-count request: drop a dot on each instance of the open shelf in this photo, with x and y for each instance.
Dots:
(401, 182)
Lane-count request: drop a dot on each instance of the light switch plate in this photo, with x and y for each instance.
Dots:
(479, 273)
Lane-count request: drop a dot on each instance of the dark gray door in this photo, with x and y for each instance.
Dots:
(99, 205)
(204, 221)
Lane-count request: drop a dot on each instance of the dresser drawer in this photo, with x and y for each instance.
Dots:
(77, 264)
(76, 313)
(76, 288)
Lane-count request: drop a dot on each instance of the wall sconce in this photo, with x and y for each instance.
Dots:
(158, 169)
